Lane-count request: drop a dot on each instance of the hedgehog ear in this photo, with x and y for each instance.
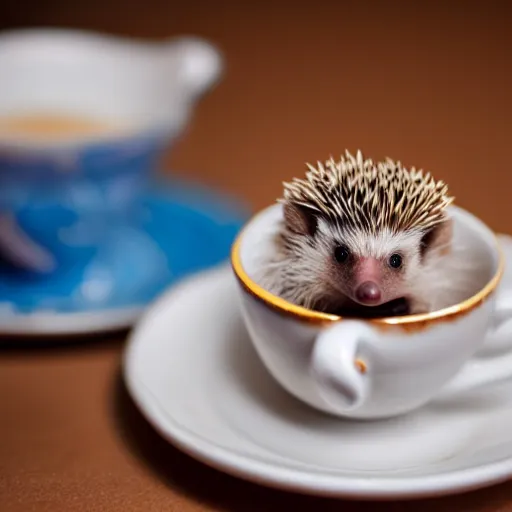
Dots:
(300, 219)
(438, 237)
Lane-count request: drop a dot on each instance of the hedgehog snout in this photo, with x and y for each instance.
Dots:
(368, 293)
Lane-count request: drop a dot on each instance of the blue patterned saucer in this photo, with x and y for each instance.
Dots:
(186, 228)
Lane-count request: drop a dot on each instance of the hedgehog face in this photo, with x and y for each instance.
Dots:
(341, 266)
(369, 270)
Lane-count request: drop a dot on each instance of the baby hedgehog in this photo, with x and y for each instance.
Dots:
(364, 237)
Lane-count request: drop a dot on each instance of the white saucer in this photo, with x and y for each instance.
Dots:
(192, 370)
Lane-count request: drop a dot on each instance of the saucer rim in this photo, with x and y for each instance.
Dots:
(64, 324)
(266, 473)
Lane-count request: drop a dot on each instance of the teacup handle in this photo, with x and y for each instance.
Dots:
(480, 372)
(496, 341)
(201, 63)
(20, 250)
(341, 376)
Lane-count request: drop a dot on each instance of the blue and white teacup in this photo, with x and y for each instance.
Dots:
(61, 198)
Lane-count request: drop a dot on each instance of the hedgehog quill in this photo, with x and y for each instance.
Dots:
(368, 238)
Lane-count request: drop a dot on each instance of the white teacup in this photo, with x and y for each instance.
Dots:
(380, 367)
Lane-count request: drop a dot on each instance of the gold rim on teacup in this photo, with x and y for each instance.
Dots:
(318, 317)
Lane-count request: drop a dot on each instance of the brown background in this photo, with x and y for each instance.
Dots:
(429, 85)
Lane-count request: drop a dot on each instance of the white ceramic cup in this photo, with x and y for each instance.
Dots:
(380, 367)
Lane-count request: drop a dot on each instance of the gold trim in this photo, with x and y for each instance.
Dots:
(316, 316)
(361, 366)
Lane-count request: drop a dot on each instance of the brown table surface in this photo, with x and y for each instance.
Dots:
(430, 86)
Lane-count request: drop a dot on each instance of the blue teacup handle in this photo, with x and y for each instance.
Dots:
(20, 250)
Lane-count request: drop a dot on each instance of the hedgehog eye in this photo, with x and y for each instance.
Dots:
(395, 261)
(341, 253)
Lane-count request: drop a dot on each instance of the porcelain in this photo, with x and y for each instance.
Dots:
(186, 228)
(61, 201)
(379, 368)
(192, 370)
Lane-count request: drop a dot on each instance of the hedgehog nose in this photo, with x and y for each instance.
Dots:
(368, 293)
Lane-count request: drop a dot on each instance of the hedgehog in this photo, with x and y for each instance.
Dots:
(365, 238)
